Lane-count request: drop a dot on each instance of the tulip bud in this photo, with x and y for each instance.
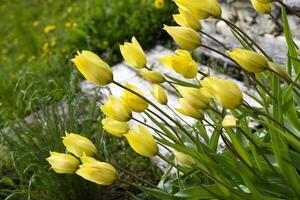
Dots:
(189, 110)
(79, 145)
(184, 159)
(63, 163)
(202, 8)
(132, 101)
(185, 37)
(249, 60)
(226, 92)
(261, 8)
(142, 142)
(115, 127)
(152, 76)
(186, 19)
(93, 68)
(159, 4)
(115, 109)
(194, 97)
(98, 172)
(182, 63)
(229, 121)
(133, 53)
(159, 94)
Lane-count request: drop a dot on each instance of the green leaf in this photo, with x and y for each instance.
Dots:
(182, 83)
(200, 192)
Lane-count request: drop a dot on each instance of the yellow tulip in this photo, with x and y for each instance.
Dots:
(159, 4)
(63, 163)
(202, 8)
(182, 63)
(49, 28)
(115, 127)
(132, 101)
(188, 110)
(133, 53)
(184, 159)
(93, 68)
(98, 172)
(226, 92)
(152, 76)
(79, 145)
(115, 109)
(249, 60)
(261, 8)
(185, 37)
(186, 19)
(159, 94)
(229, 121)
(194, 97)
(142, 142)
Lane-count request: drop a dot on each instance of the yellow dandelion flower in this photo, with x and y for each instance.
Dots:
(49, 28)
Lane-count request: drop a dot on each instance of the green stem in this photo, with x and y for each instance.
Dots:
(247, 36)
(214, 39)
(134, 176)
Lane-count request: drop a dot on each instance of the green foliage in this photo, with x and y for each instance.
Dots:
(28, 142)
(97, 25)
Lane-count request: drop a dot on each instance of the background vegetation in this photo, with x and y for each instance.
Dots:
(37, 77)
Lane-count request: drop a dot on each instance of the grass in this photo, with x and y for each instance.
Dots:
(97, 25)
(29, 175)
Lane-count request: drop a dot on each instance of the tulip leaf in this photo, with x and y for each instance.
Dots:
(200, 192)
(289, 40)
(182, 83)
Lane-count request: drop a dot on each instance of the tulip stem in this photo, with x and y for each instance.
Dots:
(288, 8)
(214, 39)
(134, 176)
(258, 112)
(287, 79)
(160, 133)
(236, 28)
(169, 125)
(157, 108)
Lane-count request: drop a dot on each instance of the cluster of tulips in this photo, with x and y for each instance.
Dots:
(194, 99)
(91, 169)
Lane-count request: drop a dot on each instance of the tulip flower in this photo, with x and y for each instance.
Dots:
(115, 127)
(194, 97)
(261, 8)
(142, 142)
(133, 53)
(202, 8)
(188, 110)
(226, 92)
(186, 19)
(93, 68)
(249, 60)
(182, 63)
(159, 4)
(63, 163)
(98, 172)
(152, 76)
(185, 37)
(159, 94)
(79, 145)
(184, 159)
(132, 101)
(229, 121)
(115, 109)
